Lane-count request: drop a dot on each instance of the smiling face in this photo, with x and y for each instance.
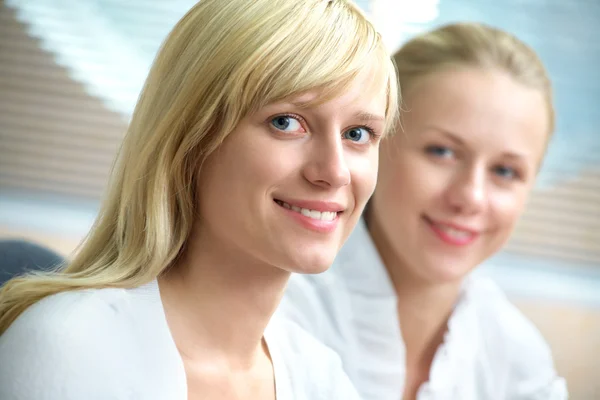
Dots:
(290, 182)
(453, 184)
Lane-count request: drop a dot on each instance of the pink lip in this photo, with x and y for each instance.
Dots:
(436, 227)
(312, 224)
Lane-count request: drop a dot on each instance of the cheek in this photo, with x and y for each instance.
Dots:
(407, 182)
(364, 172)
(391, 201)
(216, 179)
(252, 164)
(506, 208)
(231, 174)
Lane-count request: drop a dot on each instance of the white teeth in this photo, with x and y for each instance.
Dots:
(455, 233)
(314, 214)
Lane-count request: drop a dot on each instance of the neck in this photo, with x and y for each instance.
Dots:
(424, 307)
(424, 312)
(219, 301)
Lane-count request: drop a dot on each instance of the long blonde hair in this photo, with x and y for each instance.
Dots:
(221, 61)
(472, 45)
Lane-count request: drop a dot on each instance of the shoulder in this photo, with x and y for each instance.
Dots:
(68, 313)
(68, 343)
(501, 323)
(515, 348)
(313, 369)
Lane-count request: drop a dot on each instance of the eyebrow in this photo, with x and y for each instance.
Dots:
(453, 137)
(515, 156)
(361, 115)
(367, 116)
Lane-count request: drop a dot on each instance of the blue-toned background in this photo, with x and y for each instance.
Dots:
(71, 71)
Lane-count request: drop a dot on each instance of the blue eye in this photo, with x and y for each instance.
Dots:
(506, 172)
(440, 151)
(286, 123)
(358, 135)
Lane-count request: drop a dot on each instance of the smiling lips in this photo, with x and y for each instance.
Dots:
(318, 216)
(452, 234)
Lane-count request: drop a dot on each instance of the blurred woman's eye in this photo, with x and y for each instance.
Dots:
(287, 123)
(440, 151)
(506, 172)
(359, 134)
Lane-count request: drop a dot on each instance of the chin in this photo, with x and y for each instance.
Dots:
(315, 263)
(302, 256)
(441, 272)
(447, 276)
(451, 272)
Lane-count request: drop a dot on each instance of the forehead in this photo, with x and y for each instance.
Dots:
(368, 90)
(486, 108)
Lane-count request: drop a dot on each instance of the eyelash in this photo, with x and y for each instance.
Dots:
(294, 116)
(434, 150)
(516, 175)
(374, 135)
(370, 129)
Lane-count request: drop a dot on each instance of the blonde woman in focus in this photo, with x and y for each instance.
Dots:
(250, 156)
(400, 305)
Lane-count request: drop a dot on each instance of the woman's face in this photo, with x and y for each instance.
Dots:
(453, 184)
(290, 182)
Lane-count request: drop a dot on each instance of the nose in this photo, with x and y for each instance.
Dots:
(327, 166)
(468, 192)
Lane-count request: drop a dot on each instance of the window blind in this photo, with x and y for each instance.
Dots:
(54, 137)
(561, 224)
(60, 125)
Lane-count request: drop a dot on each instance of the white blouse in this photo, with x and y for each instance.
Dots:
(115, 344)
(490, 351)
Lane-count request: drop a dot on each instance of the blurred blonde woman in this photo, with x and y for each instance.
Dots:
(251, 154)
(400, 305)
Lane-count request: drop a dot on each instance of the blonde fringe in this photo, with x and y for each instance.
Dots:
(208, 74)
